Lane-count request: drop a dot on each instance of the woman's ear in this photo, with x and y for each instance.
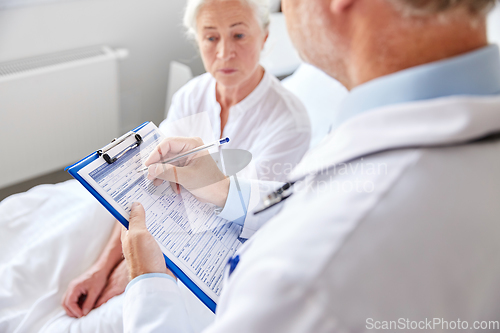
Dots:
(340, 6)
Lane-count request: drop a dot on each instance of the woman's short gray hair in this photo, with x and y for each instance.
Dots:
(427, 7)
(261, 9)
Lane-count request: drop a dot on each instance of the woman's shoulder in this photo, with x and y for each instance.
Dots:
(285, 104)
(197, 88)
(192, 98)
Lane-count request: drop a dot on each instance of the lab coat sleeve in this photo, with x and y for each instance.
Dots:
(266, 299)
(153, 303)
(243, 199)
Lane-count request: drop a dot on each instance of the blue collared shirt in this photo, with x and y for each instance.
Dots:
(474, 73)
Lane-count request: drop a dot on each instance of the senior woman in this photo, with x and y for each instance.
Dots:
(235, 98)
(241, 100)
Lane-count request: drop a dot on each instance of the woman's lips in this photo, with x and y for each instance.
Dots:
(227, 70)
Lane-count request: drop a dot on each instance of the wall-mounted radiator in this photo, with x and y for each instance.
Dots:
(55, 110)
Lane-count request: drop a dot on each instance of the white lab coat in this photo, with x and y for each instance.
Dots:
(418, 240)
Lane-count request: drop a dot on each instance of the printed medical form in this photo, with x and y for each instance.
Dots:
(188, 231)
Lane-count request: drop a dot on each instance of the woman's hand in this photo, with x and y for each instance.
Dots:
(94, 288)
(198, 173)
(83, 292)
(116, 284)
(142, 253)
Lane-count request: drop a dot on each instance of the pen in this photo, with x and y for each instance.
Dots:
(192, 151)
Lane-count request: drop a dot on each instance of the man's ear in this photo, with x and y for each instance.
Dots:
(340, 6)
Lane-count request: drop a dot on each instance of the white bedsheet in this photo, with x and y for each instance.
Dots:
(48, 236)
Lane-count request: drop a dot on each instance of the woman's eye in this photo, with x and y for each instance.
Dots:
(211, 39)
(239, 36)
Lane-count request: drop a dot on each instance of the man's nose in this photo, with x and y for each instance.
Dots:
(225, 50)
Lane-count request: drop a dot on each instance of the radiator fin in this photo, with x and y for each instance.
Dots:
(29, 64)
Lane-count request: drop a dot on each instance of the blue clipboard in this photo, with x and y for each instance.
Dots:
(73, 171)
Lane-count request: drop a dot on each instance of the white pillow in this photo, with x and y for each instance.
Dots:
(320, 94)
(279, 57)
(494, 26)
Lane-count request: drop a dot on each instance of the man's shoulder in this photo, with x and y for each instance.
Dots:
(366, 219)
(429, 228)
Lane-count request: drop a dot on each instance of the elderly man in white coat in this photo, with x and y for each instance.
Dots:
(395, 217)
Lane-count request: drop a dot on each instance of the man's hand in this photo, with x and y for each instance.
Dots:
(116, 284)
(142, 253)
(83, 292)
(197, 173)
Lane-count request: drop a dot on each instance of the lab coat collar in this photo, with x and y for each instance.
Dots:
(443, 121)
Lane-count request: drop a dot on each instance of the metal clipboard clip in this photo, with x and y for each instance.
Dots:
(116, 142)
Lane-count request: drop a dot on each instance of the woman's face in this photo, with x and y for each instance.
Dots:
(230, 40)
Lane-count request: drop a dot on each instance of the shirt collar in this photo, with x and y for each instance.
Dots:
(473, 73)
(255, 96)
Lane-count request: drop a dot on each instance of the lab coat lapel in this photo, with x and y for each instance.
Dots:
(443, 121)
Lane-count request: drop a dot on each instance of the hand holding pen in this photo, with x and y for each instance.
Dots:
(199, 175)
(185, 154)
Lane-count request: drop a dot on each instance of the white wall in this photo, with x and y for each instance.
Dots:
(150, 29)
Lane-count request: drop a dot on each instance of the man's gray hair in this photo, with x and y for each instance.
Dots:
(423, 7)
(261, 10)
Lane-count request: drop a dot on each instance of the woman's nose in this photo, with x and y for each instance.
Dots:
(225, 50)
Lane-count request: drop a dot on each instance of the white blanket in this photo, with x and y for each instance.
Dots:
(48, 236)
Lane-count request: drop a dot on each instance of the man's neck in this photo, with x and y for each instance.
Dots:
(381, 52)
